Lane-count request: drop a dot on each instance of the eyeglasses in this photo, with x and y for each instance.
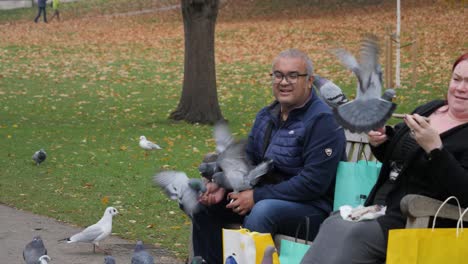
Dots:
(291, 77)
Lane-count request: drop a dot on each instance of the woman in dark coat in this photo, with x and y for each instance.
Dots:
(426, 154)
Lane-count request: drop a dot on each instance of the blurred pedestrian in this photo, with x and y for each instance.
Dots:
(55, 8)
(41, 4)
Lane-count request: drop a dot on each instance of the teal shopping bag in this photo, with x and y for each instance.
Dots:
(354, 181)
(292, 252)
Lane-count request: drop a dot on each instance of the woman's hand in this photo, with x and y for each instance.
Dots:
(242, 202)
(377, 137)
(213, 195)
(420, 129)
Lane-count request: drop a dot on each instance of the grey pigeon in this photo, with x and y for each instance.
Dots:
(223, 138)
(44, 259)
(109, 260)
(236, 172)
(197, 260)
(178, 186)
(141, 256)
(39, 156)
(35, 252)
(97, 232)
(329, 92)
(369, 110)
(268, 255)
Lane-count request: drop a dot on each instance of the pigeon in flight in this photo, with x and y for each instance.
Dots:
(35, 252)
(370, 110)
(109, 260)
(232, 169)
(329, 92)
(39, 156)
(141, 256)
(97, 232)
(178, 186)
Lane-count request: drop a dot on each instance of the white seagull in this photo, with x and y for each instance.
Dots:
(97, 232)
(148, 145)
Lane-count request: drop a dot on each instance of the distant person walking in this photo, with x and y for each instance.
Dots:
(41, 4)
(55, 7)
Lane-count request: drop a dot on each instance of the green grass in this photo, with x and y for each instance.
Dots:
(89, 123)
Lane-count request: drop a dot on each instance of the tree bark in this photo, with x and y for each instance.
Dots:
(199, 100)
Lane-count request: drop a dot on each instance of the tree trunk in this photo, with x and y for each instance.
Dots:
(199, 100)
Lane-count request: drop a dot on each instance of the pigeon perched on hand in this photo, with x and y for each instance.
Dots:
(232, 169)
(178, 186)
(370, 110)
(39, 156)
(97, 232)
(109, 260)
(329, 92)
(35, 252)
(140, 255)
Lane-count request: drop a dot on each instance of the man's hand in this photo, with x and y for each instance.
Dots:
(213, 195)
(242, 202)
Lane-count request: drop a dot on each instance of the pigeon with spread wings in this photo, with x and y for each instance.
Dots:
(178, 186)
(370, 110)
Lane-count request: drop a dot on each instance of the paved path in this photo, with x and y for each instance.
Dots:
(17, 228)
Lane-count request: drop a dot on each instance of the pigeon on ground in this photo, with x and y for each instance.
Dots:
(148, 145)
(232, 169)
(329, 92)
(39, 156)
(178, 186)
(35, 252)
(370, 110)
(44, 259)
(197, 260)
(109, 260)
(141, 256)
(268, 255)
(97, 232)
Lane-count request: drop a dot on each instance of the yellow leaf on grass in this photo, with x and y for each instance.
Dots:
(105, 200)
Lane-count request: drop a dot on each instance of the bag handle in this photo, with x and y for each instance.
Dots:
(307, 221)
(442, 205)
(460, 221)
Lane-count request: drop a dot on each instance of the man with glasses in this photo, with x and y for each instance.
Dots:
(298, 132)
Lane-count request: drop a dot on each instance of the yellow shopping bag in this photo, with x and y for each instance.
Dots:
(246, 247)
(428, 245)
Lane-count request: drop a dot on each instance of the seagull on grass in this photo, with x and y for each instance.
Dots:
(97, 232)
(370, 110)
(148, 145)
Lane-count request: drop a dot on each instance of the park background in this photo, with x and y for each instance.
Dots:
(87, 87)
